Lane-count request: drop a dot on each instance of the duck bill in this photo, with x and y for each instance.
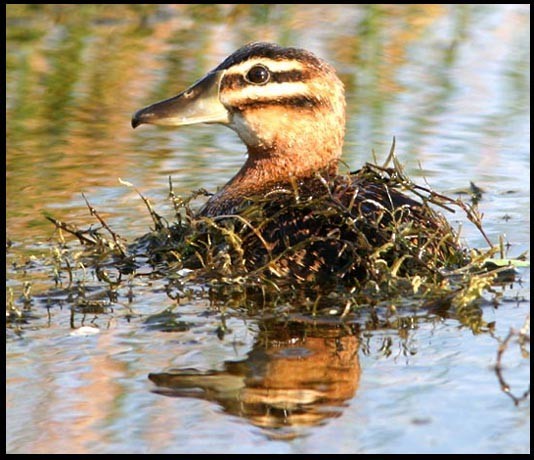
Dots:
(198, 104)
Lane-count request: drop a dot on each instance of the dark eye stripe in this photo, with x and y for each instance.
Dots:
(300, 102)
(236, 81)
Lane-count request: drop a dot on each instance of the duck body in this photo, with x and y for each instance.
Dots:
(341, 229)
(291, 210)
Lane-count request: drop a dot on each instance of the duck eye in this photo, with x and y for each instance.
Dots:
(258, 75)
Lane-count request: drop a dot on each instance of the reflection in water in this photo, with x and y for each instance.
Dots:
(295, 375)
(451, 82)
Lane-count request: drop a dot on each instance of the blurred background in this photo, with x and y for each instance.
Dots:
(450, 82)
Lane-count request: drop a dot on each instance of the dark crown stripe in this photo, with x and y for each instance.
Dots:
(270, 51)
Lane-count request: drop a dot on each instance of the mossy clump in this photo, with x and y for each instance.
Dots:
(372, 228)
(363, 237)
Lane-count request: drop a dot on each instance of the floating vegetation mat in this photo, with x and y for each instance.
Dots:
(370, 238)
(369, 247)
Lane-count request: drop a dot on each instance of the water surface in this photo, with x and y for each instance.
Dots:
(451, 83)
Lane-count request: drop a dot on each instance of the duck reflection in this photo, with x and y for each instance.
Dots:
(296, 374)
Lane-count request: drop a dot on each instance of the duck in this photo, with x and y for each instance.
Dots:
(302, 216)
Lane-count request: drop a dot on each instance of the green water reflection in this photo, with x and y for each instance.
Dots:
(450, 82)
(76, 73)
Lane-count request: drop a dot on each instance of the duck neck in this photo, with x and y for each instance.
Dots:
(267, 168)
(264, 171)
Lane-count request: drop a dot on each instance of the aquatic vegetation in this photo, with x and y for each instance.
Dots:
(372, 260)
(376, 264)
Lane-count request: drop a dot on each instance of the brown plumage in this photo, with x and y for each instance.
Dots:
(296, 215)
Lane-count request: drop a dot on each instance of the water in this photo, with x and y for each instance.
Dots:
(451, 83)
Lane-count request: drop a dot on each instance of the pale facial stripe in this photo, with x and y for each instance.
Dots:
(274, 66)
(268, 91)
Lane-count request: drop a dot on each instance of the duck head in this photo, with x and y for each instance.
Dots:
(286, 104)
